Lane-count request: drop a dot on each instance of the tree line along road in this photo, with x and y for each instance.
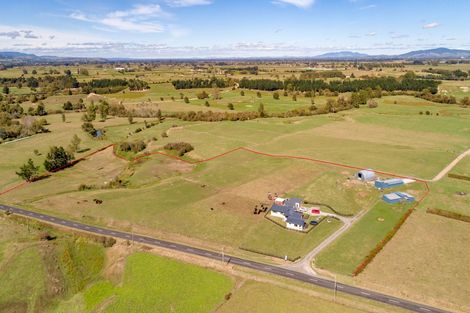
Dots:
(364, 293)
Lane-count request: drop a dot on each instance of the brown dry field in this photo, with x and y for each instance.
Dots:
(426, 261)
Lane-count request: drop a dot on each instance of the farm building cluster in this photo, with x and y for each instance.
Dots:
(392, 198)
(293, 213)
(290, 210)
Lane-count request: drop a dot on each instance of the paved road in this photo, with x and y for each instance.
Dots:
(364, 293)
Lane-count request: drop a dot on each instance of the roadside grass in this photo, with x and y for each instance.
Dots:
(156, 284)
(37, 276)
(344, 254)
(81, 263)
(426, 261)
(258, 297)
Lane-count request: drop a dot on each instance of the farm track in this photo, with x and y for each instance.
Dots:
(449, 167)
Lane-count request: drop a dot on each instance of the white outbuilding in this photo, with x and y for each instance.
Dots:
(366, 175)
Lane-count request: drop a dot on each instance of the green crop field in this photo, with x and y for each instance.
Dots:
(152, 283)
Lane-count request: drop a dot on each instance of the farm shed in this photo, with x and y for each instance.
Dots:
(398, 197)
(389, 183)
(366, 175)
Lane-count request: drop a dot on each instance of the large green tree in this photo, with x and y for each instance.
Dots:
(57, 158)
(28, 171)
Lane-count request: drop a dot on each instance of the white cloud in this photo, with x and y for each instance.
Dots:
(187, 3)
(13, 34)
(371, 34)
(79, 16)
(10, 34)
(367, 7)
(123, 24)
(28, 35)
(139, 18)
(431, 25)
(398, 36)
(303, 4)
(140, 10)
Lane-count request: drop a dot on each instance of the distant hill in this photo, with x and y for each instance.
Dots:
(17, 55)
(438, 53)
(11, 57)
(343, 55)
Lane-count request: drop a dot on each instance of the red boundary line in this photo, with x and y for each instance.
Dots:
(324, 162)
(47, 173)
(283, 156)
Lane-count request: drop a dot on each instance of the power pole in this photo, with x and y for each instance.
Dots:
(223, 256)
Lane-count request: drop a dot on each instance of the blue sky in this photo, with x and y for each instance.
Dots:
(222, 28)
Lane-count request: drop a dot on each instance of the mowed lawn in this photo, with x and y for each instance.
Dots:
(156, 284)
(348, 251)
(257, 297)
(426, 261)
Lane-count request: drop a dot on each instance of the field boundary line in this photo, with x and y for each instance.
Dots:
(372, 254)
(283, 156)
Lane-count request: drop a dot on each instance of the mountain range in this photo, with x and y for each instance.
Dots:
(438, 53)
